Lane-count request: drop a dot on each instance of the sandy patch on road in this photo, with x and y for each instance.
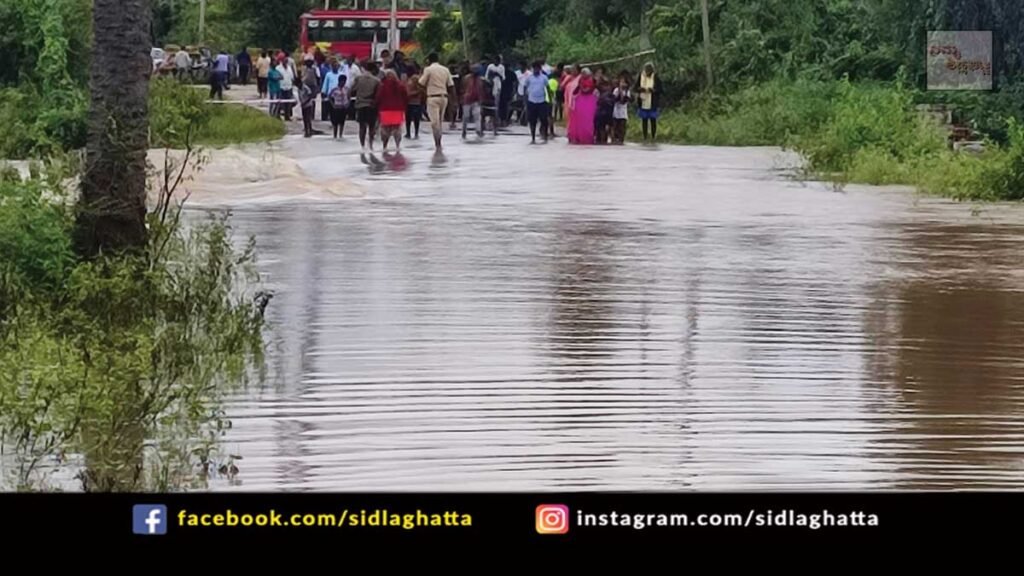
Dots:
(262, 173)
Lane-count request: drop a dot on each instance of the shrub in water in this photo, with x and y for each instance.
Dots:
(115, 367)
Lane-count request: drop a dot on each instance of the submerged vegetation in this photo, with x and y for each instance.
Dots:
(114, 367)
(121, 327)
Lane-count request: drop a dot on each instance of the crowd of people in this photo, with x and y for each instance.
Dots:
(390, 97)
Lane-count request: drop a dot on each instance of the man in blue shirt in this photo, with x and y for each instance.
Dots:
(244, 61)
(219, 76)
(536, 89)
(327, 85)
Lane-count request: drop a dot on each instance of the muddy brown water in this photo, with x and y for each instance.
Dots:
(510, 317)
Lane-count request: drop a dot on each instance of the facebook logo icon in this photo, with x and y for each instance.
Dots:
(149, 519)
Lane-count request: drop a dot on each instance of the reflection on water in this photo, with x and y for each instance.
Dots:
(508, 317)
(949, 342)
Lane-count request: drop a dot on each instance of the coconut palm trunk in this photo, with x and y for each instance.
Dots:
(113, 203)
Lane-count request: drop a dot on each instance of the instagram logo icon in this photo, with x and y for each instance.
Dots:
(552, 519)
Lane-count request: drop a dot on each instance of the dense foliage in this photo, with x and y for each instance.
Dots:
(43, 70)
(112, 368)
(231, 24)
(178, 114)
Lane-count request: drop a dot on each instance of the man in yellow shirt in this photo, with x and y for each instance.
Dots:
(263, 74)
(438, 82)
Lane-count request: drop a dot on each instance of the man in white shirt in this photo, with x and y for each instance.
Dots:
(287, 87)
(521, 75)
(345, 70)
(183, 64)
(353, 71)
(496, 74)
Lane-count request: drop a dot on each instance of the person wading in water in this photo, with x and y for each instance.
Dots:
(365, 92)
(537, 112)
(648, 89)
(438, 83)
(308, 93)
(392, 101)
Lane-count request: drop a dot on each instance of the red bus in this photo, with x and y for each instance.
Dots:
(363, 33)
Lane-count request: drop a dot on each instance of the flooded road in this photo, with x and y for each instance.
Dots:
(512, 317)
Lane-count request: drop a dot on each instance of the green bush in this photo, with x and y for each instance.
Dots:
(877, 166)
(116, 367)
(872, 117)
(769, 114)
(176, 111)
(234, 124)
(562, 43)
(179, 113)
(1004, 178)
(35, 245)
(875, 135)
(35, 127)
(43, 71)
(867, 133)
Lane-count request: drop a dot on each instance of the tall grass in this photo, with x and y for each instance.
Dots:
(179, 112)
(878, 120)
(874, 135)
(851, 132)
(234, 124)
(769, 114)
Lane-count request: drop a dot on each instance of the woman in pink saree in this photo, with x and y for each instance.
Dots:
(568, 86)
(583, 109)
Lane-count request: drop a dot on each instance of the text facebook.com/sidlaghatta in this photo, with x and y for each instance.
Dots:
(346, 518)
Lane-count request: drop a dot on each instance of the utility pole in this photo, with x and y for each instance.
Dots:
(645, 34)
(202, 21)
(395, 45)
(706, 21)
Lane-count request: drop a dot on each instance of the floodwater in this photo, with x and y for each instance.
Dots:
(512, 317)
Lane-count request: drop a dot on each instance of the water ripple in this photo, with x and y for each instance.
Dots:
(547, 318)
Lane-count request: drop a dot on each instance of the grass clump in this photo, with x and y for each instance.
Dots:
(179, 113)
(236, 124)
(768, 114)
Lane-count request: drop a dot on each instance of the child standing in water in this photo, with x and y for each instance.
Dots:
(604, 121)
(620, 115)
(339, 106)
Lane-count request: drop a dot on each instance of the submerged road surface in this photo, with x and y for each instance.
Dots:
(510, 317)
